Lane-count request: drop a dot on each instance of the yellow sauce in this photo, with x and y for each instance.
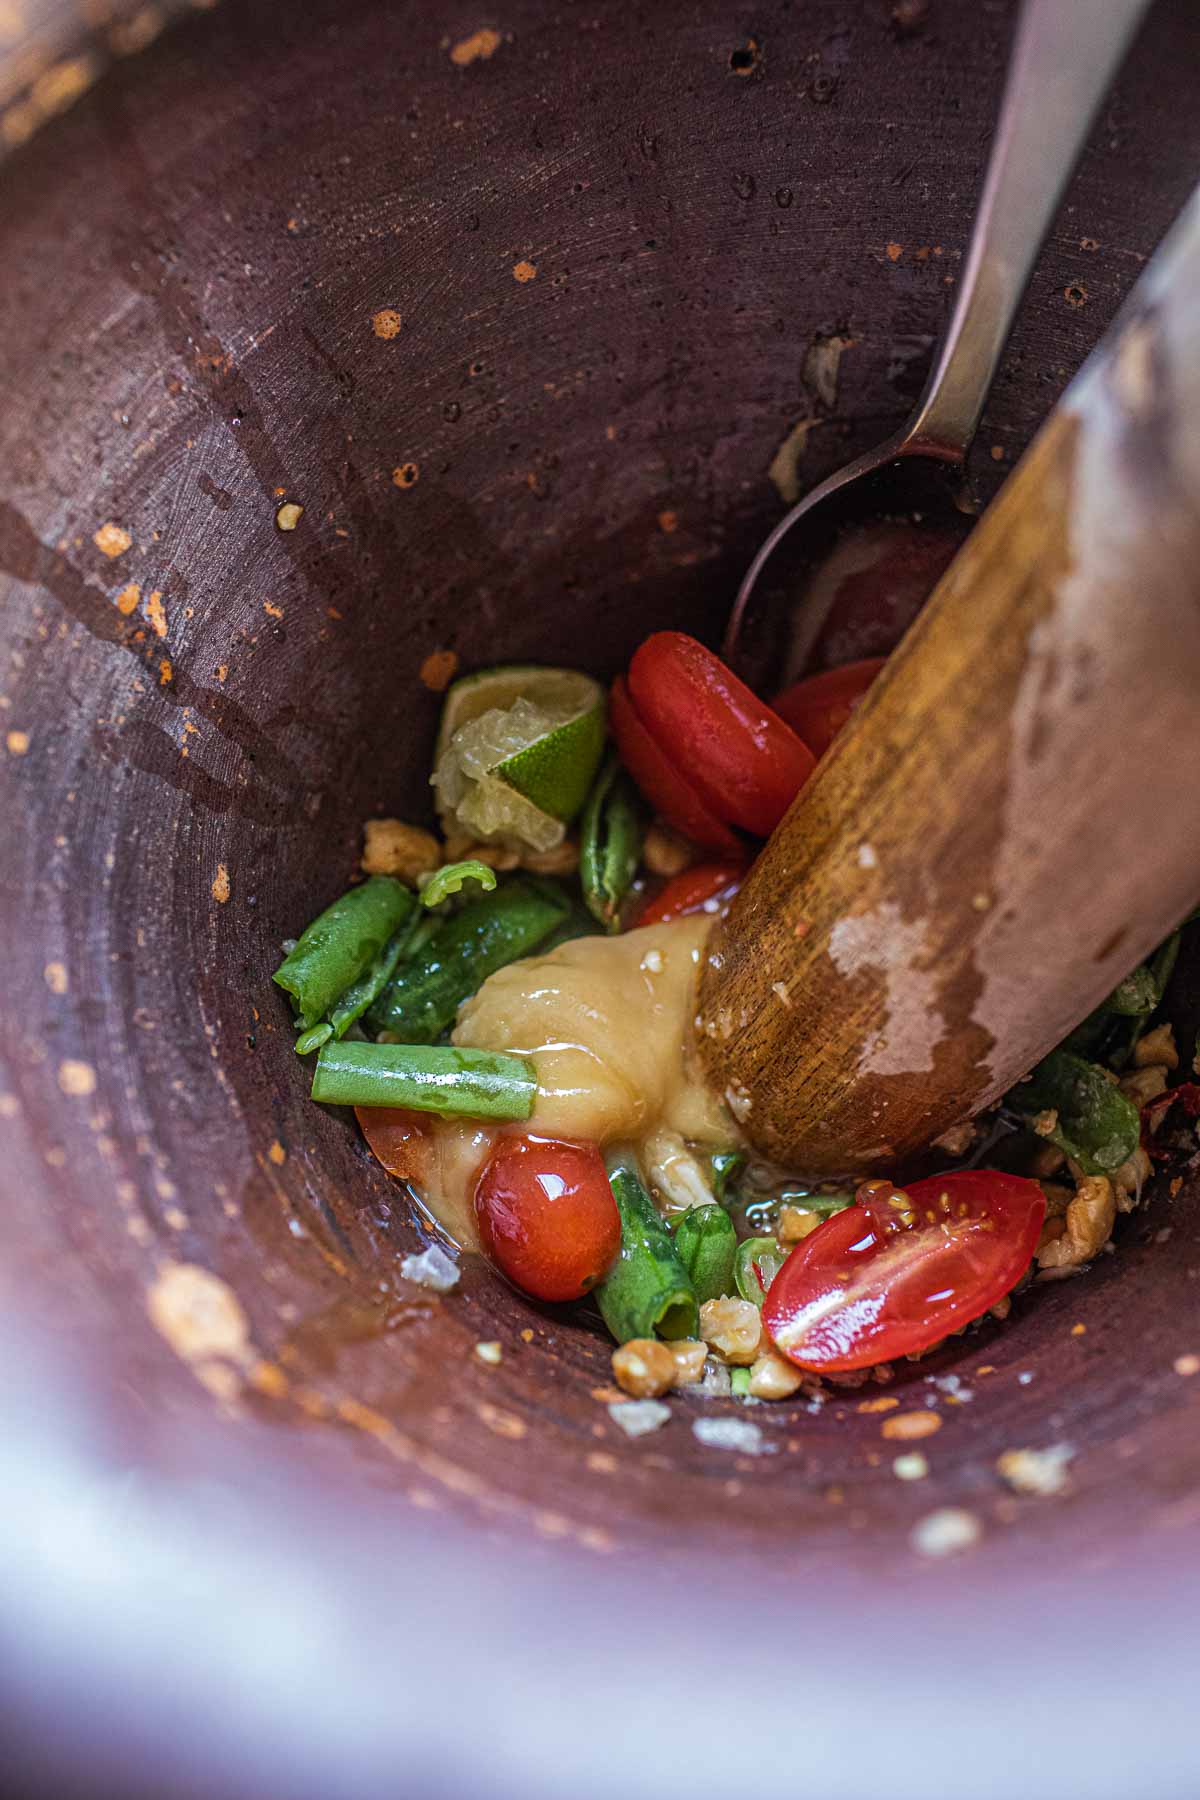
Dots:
(608, 1025)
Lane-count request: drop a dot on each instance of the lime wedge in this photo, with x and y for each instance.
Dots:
(517, 750)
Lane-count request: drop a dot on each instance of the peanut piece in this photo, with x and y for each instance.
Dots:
(644, 1368)
(390, 847)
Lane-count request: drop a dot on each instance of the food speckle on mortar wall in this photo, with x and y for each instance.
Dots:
(476, 48)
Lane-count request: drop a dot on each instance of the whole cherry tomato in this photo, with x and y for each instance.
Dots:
(746, 765)
(898, 1270)
(669, 792)
(687, 892)
(818, 707)
(546, 1215)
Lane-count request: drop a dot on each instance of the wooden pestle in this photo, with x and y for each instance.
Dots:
(1012, 820)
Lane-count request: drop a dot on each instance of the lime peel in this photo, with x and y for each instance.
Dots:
(517, 751)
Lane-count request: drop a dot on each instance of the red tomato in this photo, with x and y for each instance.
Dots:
(888, 1278)
(881, 578)
(746, 765)
(817, 708)
(668, 792)
(400, 1139)
(686, 893)
(547, 1217)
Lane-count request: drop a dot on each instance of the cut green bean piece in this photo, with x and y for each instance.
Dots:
(610, 844)
(472, 1084)
(707, 1244)
(724, 1166)
(647, 1290)
(450, 880)
(341, 945)
(739, 1383)
(367, 989)
(313, 1038)
(755, 1267)
(1096, 1123)
(424, 995)
(824, 1205)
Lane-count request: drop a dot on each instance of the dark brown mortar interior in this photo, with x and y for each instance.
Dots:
(191, 262)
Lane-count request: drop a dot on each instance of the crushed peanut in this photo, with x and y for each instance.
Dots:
(500, 857)
(733, 1329)
(958, 1140)
(773, 1377)
(563, 859)
(1145, 1084)
(1158, 1046)
(664, 852)
(1129, 1179)
(1085, 1229)
(1058, 1198)
(1046, 1160)
(390, 847)
(910, 1425)
(644, 1368)
(1040, 1472)
(689, 1354)
(795, 1223)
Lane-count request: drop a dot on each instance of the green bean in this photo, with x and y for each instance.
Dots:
(341, 944)
(757, 1254)
(1136, 994)
(313, 1038)
(367, 989)
(723, 1167)
(824, 1205)
(739, 1383)
(610, 843)
(426, 991)
(647, 1290)
(707, 1243)
(474, 1084)
(1096, 1124)
(449, 880)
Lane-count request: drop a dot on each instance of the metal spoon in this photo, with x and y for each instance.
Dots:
(1064, 57)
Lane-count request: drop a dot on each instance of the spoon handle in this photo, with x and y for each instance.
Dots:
(1064, 58)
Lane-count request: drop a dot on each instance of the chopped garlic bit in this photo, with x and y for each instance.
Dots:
(912, 1466)
(674, 1171)
(489, 1352)
(1040, 1472)
(946, 1532)
(732, 1434)
(431, 1269)
(652, 962)
(637, 1417)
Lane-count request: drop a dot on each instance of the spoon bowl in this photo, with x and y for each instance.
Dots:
(1056, 80)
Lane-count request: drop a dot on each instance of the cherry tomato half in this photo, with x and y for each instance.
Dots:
(687, 892)
(668, 792)
(400, 1139)
(817, 708)
(547, 1217)
(746, 765)
(888, 1278)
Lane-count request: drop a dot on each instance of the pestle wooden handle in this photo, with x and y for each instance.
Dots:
(1013, 819)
